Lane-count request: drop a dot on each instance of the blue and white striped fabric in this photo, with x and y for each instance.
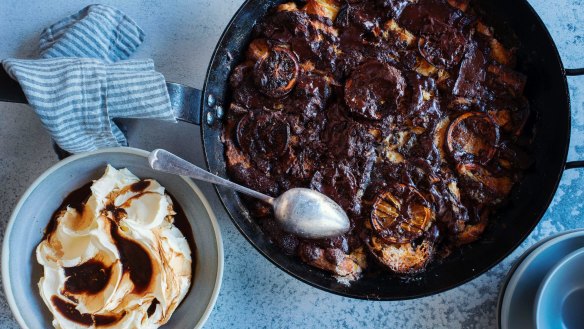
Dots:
(83, 82)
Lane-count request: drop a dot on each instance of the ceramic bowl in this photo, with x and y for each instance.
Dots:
(519, 290)
(560, 298)
(21, 272)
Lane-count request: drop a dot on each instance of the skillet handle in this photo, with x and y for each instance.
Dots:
(574, 164)
(185, 102)
(574, 72)
(10, 90)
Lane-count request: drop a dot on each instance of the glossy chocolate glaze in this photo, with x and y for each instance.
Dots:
(412, 102)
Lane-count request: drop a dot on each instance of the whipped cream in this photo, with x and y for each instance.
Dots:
(118, 261)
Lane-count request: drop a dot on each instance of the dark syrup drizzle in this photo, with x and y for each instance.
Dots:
(140, 186)
(90, 277)
(69, 311)
(75, 199)
(152, 307)
(135, 260)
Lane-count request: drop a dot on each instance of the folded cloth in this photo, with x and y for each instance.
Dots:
(83, 81)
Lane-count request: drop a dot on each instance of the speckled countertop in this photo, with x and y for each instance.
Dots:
(181, 36)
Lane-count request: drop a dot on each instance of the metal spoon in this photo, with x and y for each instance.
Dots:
(304, 212)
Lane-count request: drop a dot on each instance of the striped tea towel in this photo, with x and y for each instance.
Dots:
(83, 81)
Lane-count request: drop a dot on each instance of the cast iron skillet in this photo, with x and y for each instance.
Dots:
(546, 90)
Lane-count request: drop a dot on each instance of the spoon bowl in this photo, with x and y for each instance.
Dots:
(310, 214)
(304, 212)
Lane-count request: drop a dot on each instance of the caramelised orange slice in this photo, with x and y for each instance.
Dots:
(472, 137)
(265, 135)
(275, 72)
(401, 214)
(404, 258)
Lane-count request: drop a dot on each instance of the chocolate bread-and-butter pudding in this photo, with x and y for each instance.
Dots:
(408, 113)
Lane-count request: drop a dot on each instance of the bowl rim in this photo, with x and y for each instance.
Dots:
(6, 282)
(523, 264)
(552, 276)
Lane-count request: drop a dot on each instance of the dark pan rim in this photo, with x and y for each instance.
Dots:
(431, 291)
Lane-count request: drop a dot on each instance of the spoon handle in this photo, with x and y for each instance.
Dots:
(165, 161)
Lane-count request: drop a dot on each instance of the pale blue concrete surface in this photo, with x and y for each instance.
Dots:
(181, 36)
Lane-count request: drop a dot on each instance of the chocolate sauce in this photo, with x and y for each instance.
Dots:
(76, 200)
(107, 320)
(117, 213)
(471, 77)
(140, 185)
(135, 260)
(152, 307)
(374, 90)
(426, 15)
(69, 311)
(90, 277)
